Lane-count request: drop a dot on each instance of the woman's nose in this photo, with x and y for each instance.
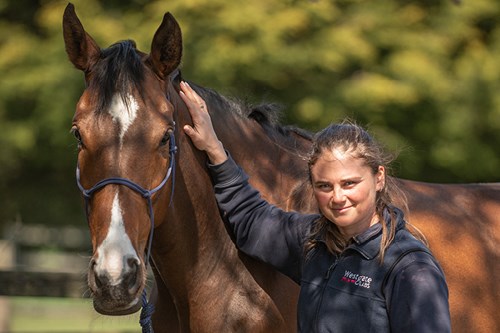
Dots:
(337, 196)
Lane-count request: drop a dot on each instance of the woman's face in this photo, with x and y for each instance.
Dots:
(346, 189)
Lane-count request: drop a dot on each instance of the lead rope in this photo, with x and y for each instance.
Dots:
(148, 308)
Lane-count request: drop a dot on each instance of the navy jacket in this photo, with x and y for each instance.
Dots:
(351, 292)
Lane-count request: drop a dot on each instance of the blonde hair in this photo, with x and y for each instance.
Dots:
(350, 137)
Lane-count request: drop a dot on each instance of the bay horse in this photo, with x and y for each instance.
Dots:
(128, 124)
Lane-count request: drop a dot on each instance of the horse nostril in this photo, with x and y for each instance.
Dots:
(133, 263)
(94, 280)
(132, 276)
(92, 264)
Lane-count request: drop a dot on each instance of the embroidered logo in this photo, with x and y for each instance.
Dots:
(357, 279)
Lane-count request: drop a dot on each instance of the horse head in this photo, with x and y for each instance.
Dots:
(124, 125)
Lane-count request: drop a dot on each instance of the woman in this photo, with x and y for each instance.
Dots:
(359, 267)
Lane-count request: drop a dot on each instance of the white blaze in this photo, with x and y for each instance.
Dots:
(116, 249)
(122, 113)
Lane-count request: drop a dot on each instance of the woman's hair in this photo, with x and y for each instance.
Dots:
(352, 138)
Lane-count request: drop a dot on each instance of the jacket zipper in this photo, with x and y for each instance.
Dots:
(326, 277)
(330, 269)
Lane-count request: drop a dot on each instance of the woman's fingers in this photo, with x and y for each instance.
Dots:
(194, 100)
(202, 133)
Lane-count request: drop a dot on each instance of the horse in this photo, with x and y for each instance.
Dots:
(128, 124)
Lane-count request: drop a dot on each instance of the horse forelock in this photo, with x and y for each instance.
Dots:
(119, 71)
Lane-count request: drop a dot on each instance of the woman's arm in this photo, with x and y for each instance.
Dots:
(260, 229)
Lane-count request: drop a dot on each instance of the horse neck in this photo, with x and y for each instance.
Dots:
(192, 247)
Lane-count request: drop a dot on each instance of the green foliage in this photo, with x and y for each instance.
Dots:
(422, 75)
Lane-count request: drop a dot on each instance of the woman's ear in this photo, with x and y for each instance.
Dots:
(380, 178)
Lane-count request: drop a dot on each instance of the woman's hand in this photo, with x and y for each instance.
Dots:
(202, 132)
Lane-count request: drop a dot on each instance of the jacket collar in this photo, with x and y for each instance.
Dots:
(368, 242)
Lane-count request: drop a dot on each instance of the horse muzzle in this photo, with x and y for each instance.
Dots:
(117, 291)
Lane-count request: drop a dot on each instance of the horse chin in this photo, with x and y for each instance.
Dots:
(110, 308)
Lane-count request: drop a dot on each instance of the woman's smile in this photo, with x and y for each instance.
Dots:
(341, 209)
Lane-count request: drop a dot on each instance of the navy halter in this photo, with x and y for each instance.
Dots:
(147, 307)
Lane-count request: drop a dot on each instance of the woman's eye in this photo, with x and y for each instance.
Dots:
(323, 187)
(349, 183)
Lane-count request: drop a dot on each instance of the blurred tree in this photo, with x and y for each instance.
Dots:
(422, 75)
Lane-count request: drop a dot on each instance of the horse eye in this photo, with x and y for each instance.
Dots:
(165, 139)
(76, 134)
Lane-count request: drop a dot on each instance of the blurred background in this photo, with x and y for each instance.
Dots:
(423, 76)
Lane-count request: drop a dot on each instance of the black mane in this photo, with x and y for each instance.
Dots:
(119, 70)
(268, 115)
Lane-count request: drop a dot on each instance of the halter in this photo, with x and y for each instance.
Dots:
(147, 308)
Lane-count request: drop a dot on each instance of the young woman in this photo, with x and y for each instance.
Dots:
(359, 267)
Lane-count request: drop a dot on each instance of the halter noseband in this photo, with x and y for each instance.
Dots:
(147, 307)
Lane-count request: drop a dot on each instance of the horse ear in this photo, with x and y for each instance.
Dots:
(82, 50)
(166, 48)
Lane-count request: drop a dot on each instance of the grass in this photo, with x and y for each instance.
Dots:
(58, 315)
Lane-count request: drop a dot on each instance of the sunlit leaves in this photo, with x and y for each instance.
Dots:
(423, 75)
